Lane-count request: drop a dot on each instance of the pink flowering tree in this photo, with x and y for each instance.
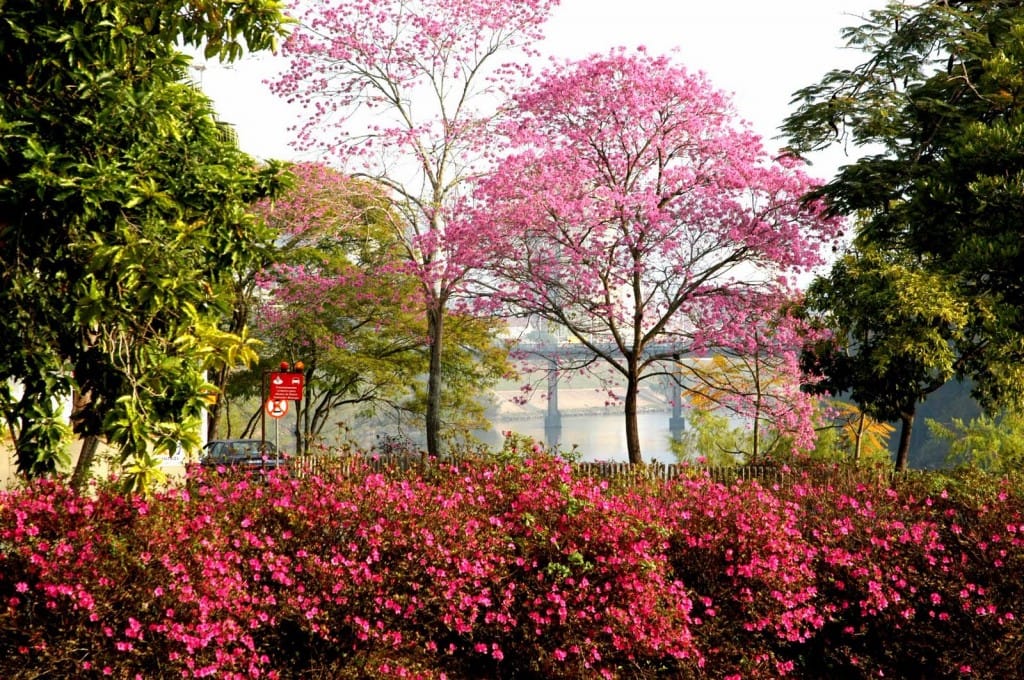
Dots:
(404, 92)
(750, 369)
(334, 299)
(634, 207)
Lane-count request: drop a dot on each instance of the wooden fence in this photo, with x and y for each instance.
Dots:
(770, 474)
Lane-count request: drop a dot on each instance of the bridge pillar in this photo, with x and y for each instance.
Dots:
(553, 418)
(676, 423)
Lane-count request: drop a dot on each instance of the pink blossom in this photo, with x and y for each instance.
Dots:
(635, 211)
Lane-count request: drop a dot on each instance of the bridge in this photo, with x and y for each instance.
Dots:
(556, 355)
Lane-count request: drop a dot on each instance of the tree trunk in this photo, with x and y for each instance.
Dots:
(214, 410)
(85, 459)
(755, 438)
(255, 419)
(903, 453)
(859, 437)
(435, 328)
(239, 318)
(300, 430)
(755, 449)
(632, 429)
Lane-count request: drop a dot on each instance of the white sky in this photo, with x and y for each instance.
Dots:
(759, 50)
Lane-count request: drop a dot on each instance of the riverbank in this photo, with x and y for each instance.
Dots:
(589, 401)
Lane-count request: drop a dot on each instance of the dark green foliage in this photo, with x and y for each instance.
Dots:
(895, 330)
(939, 109)
(122, 207)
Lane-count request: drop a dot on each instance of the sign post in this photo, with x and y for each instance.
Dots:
(278, 388)
(276, 409)
(286, 386)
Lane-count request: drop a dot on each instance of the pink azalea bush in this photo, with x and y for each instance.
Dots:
(514, 567)
(918, 581)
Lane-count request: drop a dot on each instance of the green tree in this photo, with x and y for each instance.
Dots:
(123, 205)
(239, 291)
(938, 107)
(995, 444)
(896, 329)
(711, 438)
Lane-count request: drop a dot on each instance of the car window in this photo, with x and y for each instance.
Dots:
(216, 451)
(248, 450)
(258, 448)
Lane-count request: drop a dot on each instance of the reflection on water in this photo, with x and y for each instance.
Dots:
(598, 437)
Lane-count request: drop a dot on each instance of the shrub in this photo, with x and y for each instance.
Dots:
(514, 567)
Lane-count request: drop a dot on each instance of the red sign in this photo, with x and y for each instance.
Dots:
(286, 386)
(276, 408)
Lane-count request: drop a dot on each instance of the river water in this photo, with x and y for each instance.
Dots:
(600, 437)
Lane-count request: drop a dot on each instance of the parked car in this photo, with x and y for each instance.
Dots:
(246, 454)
